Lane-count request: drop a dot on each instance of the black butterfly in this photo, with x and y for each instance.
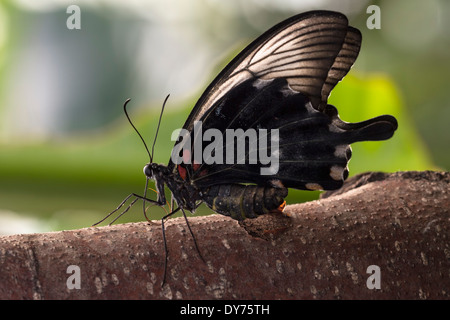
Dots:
(281, 82)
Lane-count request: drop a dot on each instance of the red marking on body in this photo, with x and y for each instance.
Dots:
(195, 166)
(182, 172)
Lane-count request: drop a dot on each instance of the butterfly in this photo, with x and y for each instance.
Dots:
(276, 89)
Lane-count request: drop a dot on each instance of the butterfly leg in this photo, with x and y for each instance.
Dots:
(165, 242)
(192, 234)
(166, 251)
(137, 197)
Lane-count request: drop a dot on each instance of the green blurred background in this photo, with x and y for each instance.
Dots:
(68, 155)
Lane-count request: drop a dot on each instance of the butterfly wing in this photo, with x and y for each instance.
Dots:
(312, 147)
(312, 50)
(282, 81)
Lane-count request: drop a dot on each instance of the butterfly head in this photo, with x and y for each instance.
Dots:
(155, 171)
(158, 173)
(149, 170)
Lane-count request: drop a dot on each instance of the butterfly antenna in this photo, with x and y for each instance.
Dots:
(129, 120)
(159, 123)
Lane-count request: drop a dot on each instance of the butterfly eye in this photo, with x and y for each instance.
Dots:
(148, 171)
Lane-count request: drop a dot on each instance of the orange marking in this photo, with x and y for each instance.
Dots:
(280, 209)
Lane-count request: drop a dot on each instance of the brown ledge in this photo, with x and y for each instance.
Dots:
(399, 222)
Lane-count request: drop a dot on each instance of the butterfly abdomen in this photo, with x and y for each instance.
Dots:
(244, 201)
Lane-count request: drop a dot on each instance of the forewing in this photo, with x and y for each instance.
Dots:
(301, 49)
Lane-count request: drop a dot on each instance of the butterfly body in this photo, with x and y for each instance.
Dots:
(234, 200)
(245, 201)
